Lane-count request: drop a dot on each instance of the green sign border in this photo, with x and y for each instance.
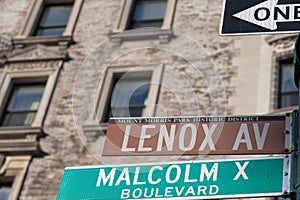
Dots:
(263, 177)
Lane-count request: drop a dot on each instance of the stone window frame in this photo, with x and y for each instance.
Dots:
(283, 49)
(23, 139)
(28, 111)
(163, 34)
(104, 91)
(281, 62)
(32, 18)
(43, 24)
(15, 168)
(278, 57)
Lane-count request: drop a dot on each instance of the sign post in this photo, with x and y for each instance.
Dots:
(294, 158)
(178, 180)
(295, 161)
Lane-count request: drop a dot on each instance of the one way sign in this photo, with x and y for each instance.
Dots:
(260, 16)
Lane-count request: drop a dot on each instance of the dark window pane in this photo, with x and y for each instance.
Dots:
(289, 100)
(4, 193)
(5, 190)
(19, 119)
(148, 13)
(126, 112)
(127, 92)
(50, 31)
(136, 112)
(129, 97)
(287, 78)
(23, 105)
(139, 96)
(54, 20)
(153, 24)
(26, 97)
(149, 10)
(56, 15)
(288, 92)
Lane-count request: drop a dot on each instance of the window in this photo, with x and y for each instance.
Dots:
(54, 20)
(5, 190)
(129, 95)
(24, 99)
(12, 175)
(288, 92)
(138, 15)
(23, 105)
(130, 91)
(148, 13)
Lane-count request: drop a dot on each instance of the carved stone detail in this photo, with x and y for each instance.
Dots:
(27, 66)
(37, 53)
(5, 44)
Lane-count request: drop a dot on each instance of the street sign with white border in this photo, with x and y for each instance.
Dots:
(226, 135)
(260, 17)
(238, 178)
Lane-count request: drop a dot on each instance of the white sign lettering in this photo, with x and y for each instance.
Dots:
(188, 135)
(241, 171)
(267, 14)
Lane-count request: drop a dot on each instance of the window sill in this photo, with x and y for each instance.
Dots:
(164, 36)
(19, 140)
(284, 110)
(93, 131)
(274, 38)
(45, 40)
(93, 126)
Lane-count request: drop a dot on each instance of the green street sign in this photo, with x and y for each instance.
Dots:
(178, 180)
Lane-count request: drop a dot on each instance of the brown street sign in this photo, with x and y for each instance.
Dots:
(224, 135)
